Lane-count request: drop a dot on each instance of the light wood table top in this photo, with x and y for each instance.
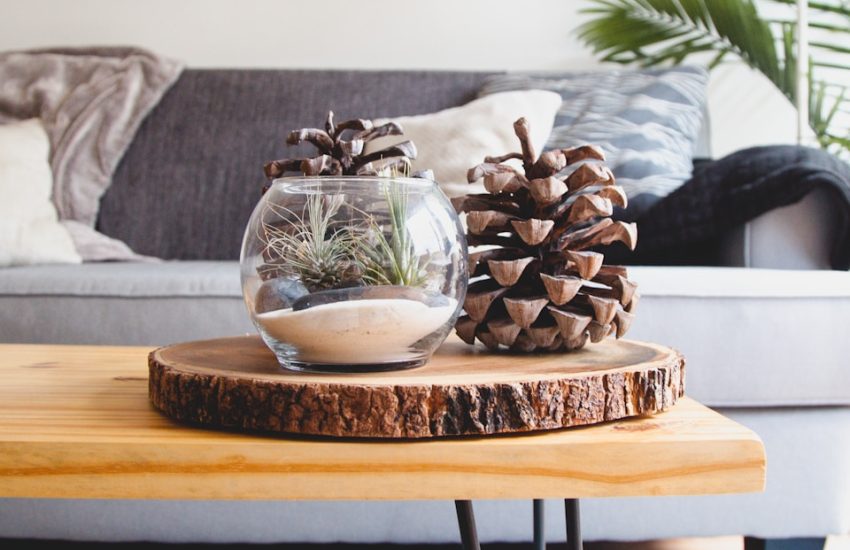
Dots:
(75, 422)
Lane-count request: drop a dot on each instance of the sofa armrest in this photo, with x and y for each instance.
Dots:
(798, 236)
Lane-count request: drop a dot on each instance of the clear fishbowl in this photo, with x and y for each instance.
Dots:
(353, 274)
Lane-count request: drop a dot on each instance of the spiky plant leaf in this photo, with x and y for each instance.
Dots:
(657, 32)
(312, 246)
(393, 261)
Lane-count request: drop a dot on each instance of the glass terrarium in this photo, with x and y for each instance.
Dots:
(352, 274)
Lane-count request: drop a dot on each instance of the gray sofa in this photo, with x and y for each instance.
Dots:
(767, 347)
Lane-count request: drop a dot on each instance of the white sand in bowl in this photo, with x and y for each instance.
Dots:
(356, 331)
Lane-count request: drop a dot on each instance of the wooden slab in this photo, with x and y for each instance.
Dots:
(237, 383)
(75, 422)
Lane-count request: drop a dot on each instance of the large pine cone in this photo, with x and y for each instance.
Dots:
(540, 287)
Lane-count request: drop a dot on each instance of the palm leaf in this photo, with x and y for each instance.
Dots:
(659, 32)
(653, 32)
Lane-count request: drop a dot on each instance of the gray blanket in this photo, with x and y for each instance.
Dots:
(91, 102)
(685, 227)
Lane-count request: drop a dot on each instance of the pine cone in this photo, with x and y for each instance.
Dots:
(542, 288)
(341, 149)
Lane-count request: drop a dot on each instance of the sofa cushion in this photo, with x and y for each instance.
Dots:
(30, 232)
(647, 121)
(751, 337)
(453, 140)
(189, 181)
(148, 304)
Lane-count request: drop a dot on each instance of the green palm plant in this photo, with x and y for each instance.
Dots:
(658, 32)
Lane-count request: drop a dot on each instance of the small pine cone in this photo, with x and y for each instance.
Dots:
(539, 286)
(341, 150)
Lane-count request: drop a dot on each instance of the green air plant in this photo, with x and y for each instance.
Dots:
(320, 251)
(393, 261)
(658, 32)
(325, 253)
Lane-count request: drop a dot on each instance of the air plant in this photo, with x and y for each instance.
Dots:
(393, 261)
(325, 253)
(321, 252)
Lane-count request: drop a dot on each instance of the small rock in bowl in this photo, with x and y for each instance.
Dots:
(278, 294)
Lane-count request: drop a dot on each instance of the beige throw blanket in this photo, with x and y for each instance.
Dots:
(91, 102)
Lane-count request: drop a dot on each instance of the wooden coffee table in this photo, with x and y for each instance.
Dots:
(76, 423)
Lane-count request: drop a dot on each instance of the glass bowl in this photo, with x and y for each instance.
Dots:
(353, 274)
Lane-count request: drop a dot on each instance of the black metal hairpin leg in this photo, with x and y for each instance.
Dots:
(466, 523)
(753, 543)
(539, 536)
(573, 524)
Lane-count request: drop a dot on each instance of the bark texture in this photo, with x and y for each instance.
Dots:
(188, 383)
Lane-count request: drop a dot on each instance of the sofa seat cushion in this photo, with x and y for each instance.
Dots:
(751, 337)
(122, 303)
(125, 279)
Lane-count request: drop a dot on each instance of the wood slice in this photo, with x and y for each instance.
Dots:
(463, 390)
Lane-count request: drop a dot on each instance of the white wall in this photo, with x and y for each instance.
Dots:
(372, 34)
(447, 34)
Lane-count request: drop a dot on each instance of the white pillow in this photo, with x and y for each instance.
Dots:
(452, 141)
(29, 230)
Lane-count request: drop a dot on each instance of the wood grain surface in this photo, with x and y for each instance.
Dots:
(75, 422)
(237, 383)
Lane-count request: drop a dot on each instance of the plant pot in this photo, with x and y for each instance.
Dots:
(353, 274)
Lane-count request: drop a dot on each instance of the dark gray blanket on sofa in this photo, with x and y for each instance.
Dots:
(726, 193)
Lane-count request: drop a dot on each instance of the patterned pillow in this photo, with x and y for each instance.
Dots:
(646, 121)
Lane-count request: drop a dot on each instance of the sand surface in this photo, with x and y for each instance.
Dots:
(357, 331)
